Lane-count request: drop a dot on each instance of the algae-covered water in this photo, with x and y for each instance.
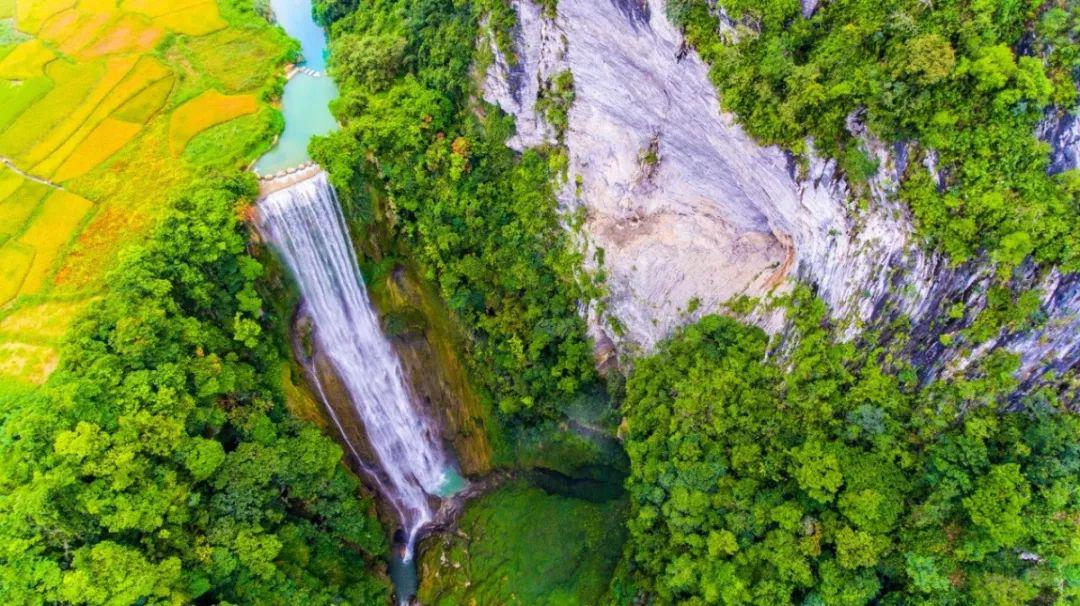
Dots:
(305, 102)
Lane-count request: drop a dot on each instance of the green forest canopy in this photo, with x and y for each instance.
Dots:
(831, 477)
(159, 465)
(965, 80)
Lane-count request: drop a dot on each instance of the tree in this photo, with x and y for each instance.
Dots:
(158, 464)
(820, 477)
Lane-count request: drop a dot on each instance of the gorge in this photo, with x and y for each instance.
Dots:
(301, 218)
(540, 302)
(683, 213)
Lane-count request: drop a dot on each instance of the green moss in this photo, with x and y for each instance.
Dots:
(522, 545)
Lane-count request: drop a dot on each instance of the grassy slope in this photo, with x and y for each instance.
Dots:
(125, 180)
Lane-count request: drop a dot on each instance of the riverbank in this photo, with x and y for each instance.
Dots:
(305, 101)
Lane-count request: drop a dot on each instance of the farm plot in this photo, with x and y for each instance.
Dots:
(42, 147)
(15, 262)
(31, 15)
(19, 198)
(26, 61)
(192, 17)
(59, 146)
(27, 363)
(71, 30)
(98, 101)
(128, 34)
(16, 97)
(140, 108)
(44, 323)
(202, 112)
(229, 61)
(106, 139)
(72, 88)
(49, 231)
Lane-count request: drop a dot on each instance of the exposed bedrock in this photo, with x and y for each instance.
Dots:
(686, 206)
(1062, 131)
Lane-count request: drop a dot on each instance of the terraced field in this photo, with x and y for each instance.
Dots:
(102, 104)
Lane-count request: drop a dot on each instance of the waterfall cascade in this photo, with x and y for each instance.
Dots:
(305, 224)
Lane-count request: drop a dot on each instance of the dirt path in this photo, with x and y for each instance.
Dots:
(11, 165)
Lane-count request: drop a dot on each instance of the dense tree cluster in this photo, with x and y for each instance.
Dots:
(158, 465)
(828, 476)
(967, 81)
(480, 220)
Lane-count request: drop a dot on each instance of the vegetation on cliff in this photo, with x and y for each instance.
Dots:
(830, 476)
(480, 220)
(967, 81)
(158, 464)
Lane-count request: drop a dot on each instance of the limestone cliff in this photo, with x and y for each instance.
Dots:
(689, 211)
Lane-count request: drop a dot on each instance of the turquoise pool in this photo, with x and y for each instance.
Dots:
(306, 100)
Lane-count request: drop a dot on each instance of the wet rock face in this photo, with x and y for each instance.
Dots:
(688, 208)
(428, 353)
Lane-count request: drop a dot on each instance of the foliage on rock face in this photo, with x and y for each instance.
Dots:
(834, 479)
(159, 465)
(554, 100)
(964, 79)
(481, 221)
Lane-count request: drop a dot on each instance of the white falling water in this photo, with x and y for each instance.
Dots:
(305, 224)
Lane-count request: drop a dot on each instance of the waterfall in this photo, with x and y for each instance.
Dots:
(305, 224)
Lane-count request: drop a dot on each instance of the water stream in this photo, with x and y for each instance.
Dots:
(305, 102)
(305, 224)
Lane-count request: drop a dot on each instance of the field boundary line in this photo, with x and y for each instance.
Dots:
(22, 173)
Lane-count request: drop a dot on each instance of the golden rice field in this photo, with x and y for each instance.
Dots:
(208, 109)
(98, 101)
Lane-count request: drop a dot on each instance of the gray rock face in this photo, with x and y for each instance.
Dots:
(686, 206)
(1063, 134)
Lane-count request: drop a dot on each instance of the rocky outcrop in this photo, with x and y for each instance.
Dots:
(689, 211)
(424, 339)
(684, 204)
(1062, 131)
